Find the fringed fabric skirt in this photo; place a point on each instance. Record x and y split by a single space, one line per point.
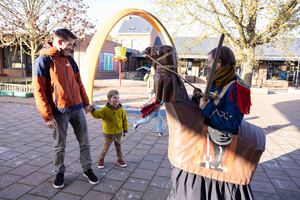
188 186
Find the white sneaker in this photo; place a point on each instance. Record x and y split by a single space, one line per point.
159 134
135 126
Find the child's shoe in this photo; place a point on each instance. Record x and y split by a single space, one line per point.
159 134
135 126
121 163
101 164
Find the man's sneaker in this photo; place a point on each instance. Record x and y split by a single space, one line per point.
121 163
101 164
135 126
59 181
89 174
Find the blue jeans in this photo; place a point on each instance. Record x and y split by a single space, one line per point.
148 118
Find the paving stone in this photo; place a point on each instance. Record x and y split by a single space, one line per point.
15 191
143 146
74 168
285 184
130 166
46 189
261 177
138 152
118 175
148 165
35 179
40 161
97 196
265 196
293 172
108 186
32 197
262 187
31 155
289 195
143 174
161 182
8 179
4 169
8 155
136 184
154 193
133 158
78 188
24 170
165 172
23 148
48 169
278 174
45 148
65 196
15 162
296 180
70 177
158 151
153 158
127 194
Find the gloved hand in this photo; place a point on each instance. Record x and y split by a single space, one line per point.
197 95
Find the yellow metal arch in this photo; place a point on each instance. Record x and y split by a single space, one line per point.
96 44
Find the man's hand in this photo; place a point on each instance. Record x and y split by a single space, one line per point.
51 124
203 103
89 108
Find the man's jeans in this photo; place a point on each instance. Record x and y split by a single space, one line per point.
78 122
148 118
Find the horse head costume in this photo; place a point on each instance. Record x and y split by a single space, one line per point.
192 148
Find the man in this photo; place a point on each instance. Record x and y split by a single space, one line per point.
61 98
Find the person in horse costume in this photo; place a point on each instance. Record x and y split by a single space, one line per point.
208 160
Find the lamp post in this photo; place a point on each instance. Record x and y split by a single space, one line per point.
120 55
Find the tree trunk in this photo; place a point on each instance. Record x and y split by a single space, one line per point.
32 53
248 65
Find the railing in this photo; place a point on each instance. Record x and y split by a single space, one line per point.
16 87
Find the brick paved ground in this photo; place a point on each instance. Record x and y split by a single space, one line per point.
26 152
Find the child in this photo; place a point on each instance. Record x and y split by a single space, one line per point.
233 96
150 110
114 124
150 82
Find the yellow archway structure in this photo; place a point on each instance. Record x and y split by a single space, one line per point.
96 44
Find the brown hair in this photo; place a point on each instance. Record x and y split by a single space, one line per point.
64 34
226 58
111 93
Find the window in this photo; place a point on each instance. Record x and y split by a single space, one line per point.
106 61
12 58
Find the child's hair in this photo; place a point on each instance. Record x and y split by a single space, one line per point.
227 57
111 93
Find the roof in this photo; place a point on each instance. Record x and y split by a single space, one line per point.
135 25
190 47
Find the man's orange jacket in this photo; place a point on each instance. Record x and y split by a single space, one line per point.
57 84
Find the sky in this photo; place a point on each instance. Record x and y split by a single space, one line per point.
102 10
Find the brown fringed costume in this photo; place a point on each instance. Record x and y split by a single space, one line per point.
190 149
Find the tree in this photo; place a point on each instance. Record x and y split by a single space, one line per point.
30 22
245 23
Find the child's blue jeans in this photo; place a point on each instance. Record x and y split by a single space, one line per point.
148 118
